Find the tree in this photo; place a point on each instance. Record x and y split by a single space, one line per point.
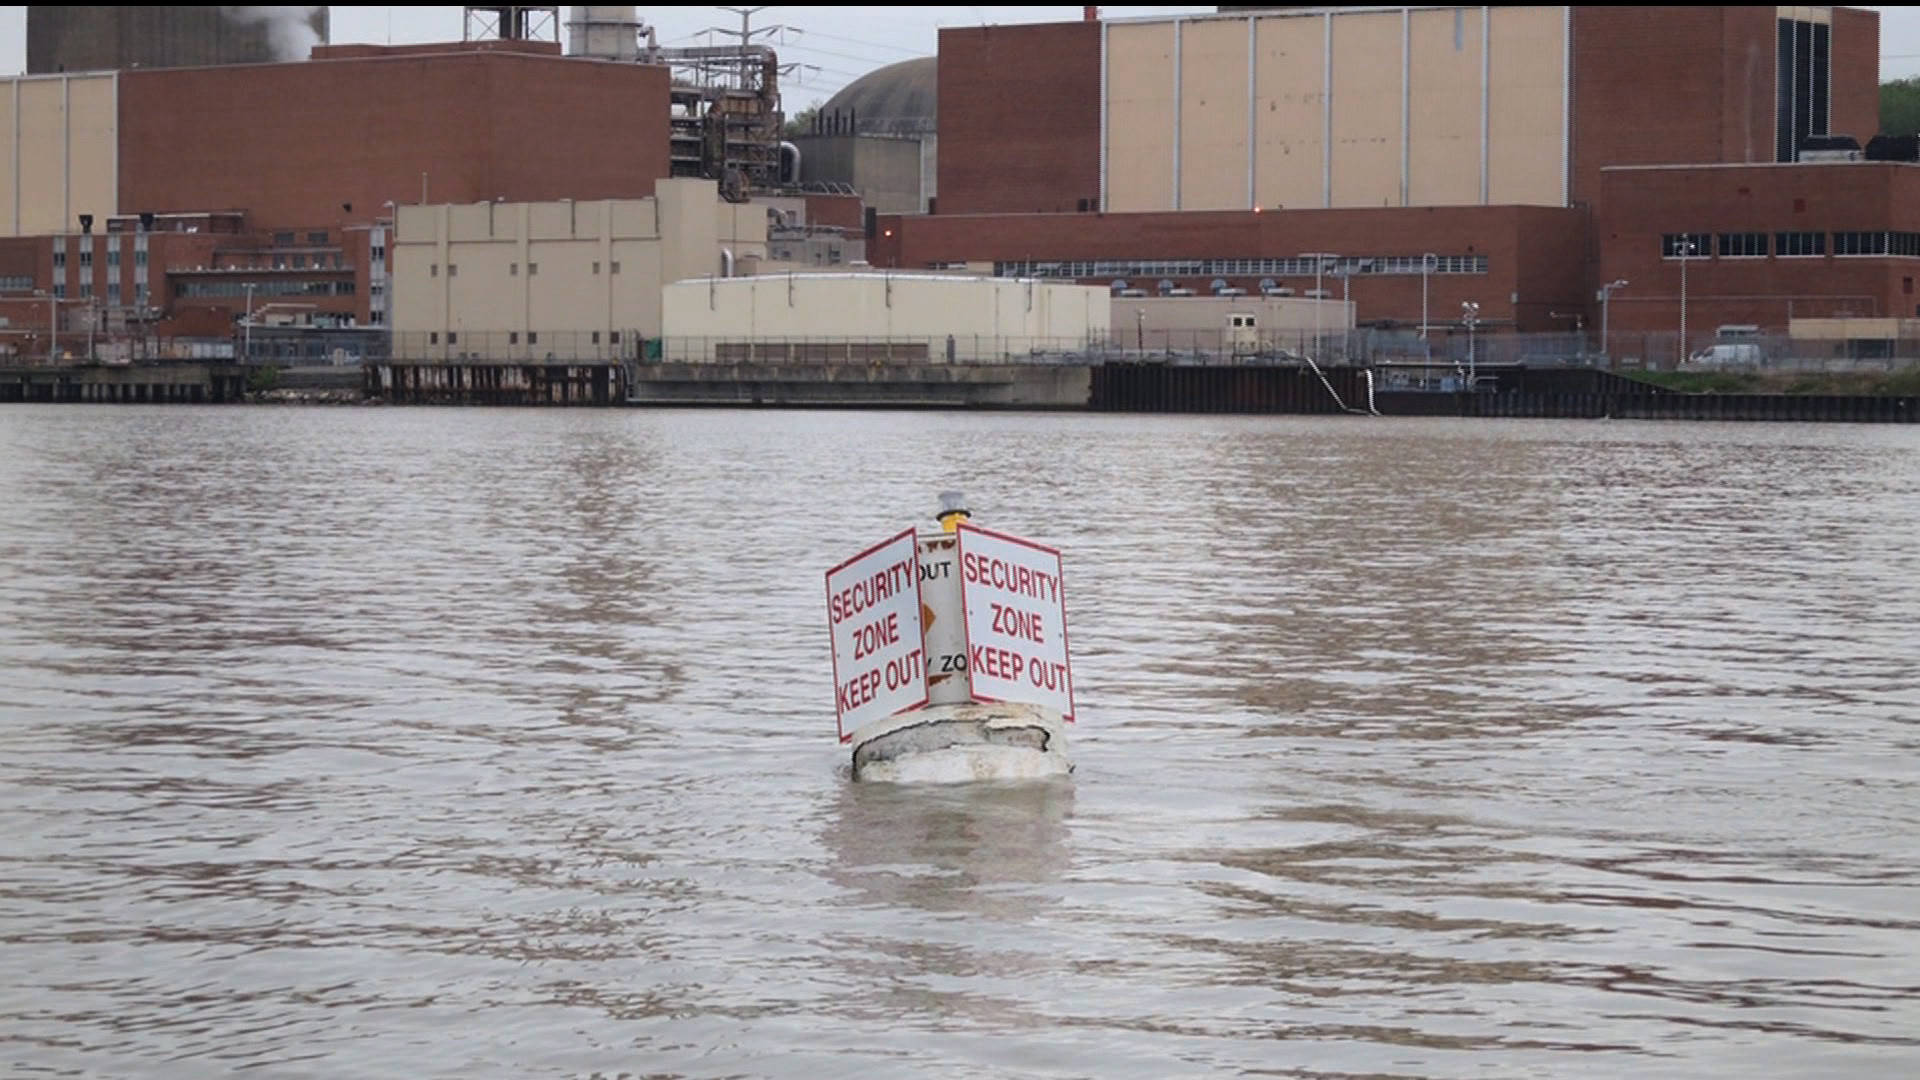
801 123
1900 107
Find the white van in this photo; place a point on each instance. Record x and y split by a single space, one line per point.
1727 354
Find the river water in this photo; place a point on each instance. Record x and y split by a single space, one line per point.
500 743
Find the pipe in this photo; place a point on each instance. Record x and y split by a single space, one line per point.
726 262
793 176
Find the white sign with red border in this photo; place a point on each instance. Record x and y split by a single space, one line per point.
1016 619
873 612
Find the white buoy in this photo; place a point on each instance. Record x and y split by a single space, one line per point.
993 694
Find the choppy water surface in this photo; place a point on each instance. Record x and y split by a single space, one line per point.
472 743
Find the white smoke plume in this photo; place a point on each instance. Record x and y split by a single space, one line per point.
287 28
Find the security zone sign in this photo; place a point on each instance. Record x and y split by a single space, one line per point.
1016 619
873 612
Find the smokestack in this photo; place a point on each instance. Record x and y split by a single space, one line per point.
1091 14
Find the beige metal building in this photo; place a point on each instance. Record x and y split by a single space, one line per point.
1231 324
59 152
1305 108
881 315
570 280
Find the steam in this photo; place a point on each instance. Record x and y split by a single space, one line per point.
288 29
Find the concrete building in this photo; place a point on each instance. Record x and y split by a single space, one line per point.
880 316
1458 154
574 280
878 137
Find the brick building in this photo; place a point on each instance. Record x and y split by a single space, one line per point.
1530 151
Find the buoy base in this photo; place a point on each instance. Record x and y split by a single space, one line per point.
963 742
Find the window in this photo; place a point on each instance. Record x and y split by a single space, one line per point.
1802 86
1859 243
1692 245
59 260
533 268
513 337
379 253
300 261
453 337
596 266
1904 243
596 333
533 337
113 292
86 289
140 257
1749 245
113 257
283 239
86 258
433 337
614 268
453 269
614 337
140 294
317 238
513 269
1790 244
433 269
59 290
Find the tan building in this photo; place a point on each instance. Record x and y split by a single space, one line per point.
876 315
1246 325
59 152
1321 108
570 280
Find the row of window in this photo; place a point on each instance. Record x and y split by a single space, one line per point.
513 337
86 258
1787 244
513 269
203 289
85 292
16 284
286 239
1291 266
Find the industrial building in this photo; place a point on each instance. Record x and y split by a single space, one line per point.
570 279
873 316
878 138
1511 158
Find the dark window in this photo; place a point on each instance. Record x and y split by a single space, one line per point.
513 337
533 337
1802 55
1743 245
596 333
453 337
316 238
433 337
614 337
283 239
1691 245
1859 243
1799 243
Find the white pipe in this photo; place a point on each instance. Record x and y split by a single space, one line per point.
726 262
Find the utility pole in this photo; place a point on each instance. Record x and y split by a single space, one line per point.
746 34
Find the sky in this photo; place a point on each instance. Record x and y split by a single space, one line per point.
832 46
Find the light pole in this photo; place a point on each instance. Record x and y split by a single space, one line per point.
53 324
1606 294
1319 268
1470 314
1685 250
246 329
1426 267
1140 324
